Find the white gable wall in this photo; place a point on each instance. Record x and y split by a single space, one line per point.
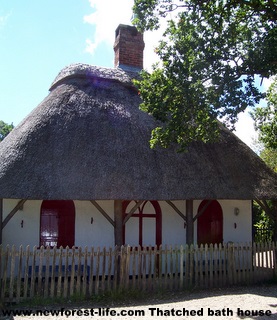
93 229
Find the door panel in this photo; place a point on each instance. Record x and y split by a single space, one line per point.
57 223
210 223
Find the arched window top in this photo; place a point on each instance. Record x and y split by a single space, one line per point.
145 225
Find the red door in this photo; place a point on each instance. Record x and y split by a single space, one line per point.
210 223
144 228
57 223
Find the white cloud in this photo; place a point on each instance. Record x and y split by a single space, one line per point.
91 46
107 15
245 130
3 20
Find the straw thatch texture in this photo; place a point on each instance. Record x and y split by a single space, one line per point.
89 140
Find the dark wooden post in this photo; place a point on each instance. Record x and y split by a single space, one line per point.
274 213
1 221
118 236
118 223
189 219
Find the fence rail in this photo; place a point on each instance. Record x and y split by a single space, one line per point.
64 272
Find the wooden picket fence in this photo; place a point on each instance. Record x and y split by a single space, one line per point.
63 272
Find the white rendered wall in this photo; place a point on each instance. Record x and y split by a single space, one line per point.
243 230
99 233
174 232
93 229
28 233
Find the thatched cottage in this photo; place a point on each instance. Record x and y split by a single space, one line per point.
78 169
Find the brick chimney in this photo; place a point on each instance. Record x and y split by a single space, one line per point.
128 48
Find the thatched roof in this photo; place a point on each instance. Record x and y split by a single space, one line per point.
89 140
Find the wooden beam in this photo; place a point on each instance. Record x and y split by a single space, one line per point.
189 219
1 221
13 212
132 211
202 210
118 220
104 213
176 209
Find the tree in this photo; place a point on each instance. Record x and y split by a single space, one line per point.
210 56
265 211
266 119
266 124
5 129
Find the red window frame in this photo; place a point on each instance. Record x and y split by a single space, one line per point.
157 214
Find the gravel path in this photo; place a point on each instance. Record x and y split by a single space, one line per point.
231 303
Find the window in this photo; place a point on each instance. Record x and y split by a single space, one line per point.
57 223
144 228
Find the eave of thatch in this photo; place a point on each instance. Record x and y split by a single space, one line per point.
89 140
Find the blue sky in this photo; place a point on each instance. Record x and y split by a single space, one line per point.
40 37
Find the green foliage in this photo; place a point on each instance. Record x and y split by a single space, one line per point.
269 156
266 119
210 57
263 224
5 129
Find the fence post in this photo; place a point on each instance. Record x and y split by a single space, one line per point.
122 269
181 267
230 249
20 264
274 249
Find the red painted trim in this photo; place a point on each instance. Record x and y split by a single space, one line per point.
60 216
210 223
141 215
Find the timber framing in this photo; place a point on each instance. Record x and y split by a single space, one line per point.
104 213
132 211
19 206
180 213
118 221
176 209
202 210
190 227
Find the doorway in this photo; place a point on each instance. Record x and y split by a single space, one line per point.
210 223
57 223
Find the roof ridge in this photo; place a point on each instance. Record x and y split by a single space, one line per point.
87 71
